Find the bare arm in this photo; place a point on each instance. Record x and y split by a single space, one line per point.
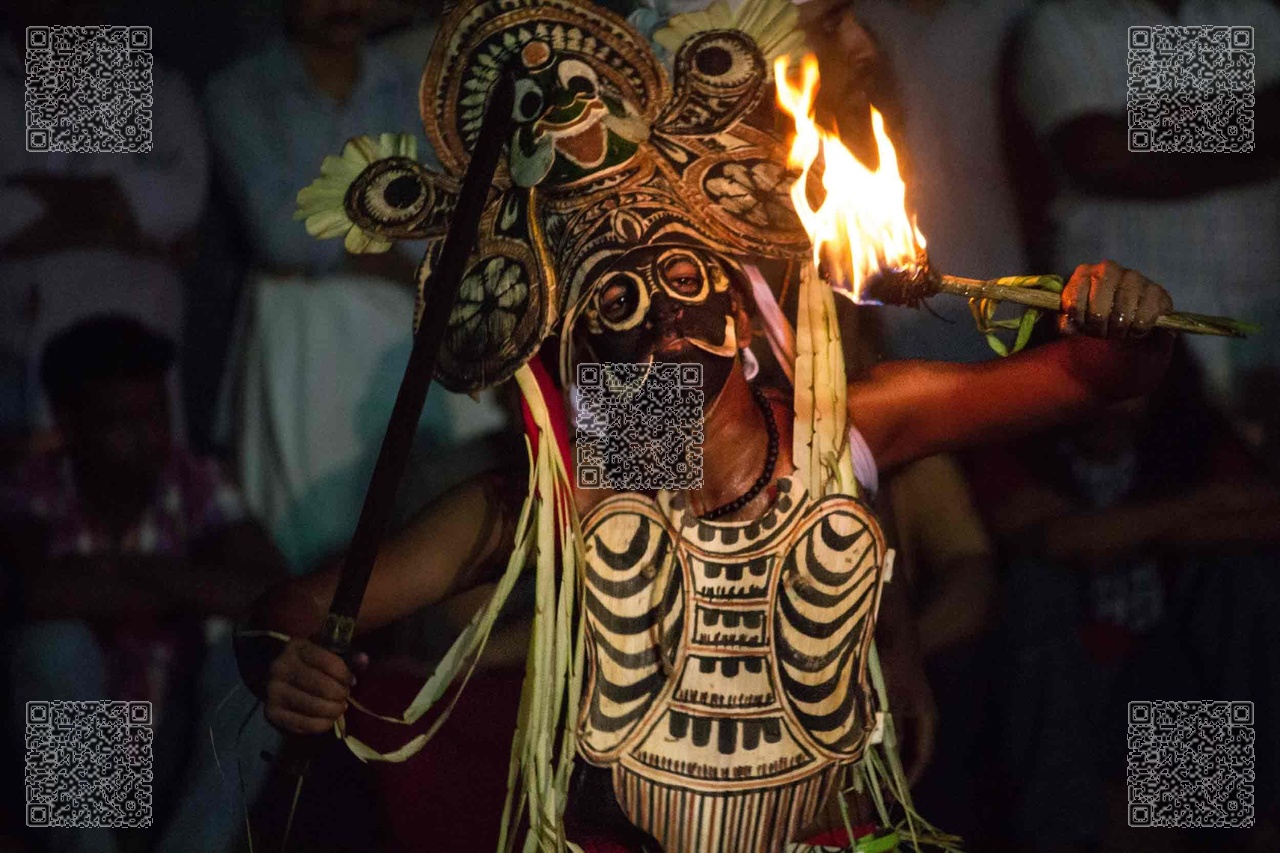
911 409
450 547
945 550
508 644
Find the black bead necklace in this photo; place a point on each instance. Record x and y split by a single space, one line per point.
766 476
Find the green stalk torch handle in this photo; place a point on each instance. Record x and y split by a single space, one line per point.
1037 292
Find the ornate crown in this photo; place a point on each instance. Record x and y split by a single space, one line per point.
609 151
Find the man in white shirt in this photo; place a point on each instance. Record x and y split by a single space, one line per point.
276 114
324 334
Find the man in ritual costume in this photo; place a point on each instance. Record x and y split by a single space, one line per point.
711 644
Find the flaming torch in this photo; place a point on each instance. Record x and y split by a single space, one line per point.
870 249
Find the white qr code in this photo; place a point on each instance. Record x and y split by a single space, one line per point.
89 89
1191 764
89 764
639 426
1191 89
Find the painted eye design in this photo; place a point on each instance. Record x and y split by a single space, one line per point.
579 78
724 59
622 301
402 196
683 276
529 101
392 191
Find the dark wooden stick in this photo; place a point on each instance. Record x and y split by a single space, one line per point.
440 292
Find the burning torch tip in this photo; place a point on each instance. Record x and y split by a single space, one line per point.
908 285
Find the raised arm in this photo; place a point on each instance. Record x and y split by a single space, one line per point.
454 544
912 409
451 546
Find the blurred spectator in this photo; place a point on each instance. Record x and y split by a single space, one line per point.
124 544
276 114
944 550
941 61
1202 224
943 554
324 335
944 559
411 31
1126 538
83 234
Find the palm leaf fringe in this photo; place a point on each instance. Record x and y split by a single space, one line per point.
545 741
820 451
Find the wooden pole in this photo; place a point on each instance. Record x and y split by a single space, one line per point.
440 292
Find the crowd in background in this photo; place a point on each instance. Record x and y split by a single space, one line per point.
193 391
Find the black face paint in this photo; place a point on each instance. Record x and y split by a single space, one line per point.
665 303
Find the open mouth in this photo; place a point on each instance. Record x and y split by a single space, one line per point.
548 124
583 139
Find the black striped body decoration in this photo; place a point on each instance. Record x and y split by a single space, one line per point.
727 678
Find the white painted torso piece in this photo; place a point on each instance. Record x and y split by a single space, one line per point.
728 682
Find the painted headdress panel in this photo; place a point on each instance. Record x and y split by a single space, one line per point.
608 151
588 88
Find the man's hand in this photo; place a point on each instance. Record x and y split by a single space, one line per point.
1107 301
308 688
915 714
910 698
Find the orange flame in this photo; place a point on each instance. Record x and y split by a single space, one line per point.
861 227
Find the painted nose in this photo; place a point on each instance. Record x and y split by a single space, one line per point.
665 309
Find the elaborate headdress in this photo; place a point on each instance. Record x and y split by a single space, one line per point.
610 151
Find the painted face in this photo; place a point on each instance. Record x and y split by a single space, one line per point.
569 126
666 304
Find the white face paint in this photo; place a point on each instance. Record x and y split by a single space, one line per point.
666 303
728 349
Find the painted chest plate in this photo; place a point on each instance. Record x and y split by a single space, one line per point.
728 662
